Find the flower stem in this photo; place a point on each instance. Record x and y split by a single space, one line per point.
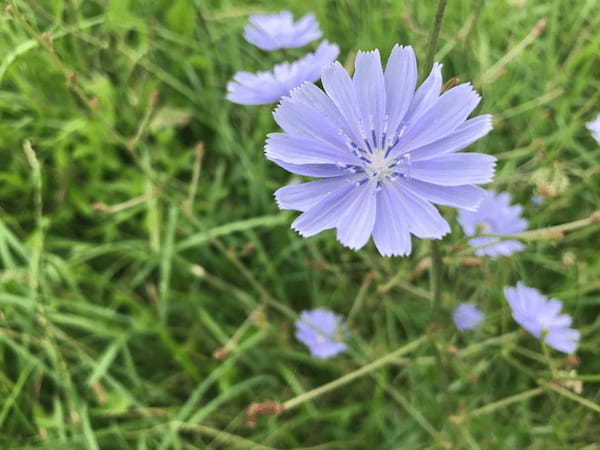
435 34
435 271
306 396
505 401
435 279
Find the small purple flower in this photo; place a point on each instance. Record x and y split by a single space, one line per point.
268 87
537 200
276 31
385 152
495 215
594 127
538 315
467 316
322 332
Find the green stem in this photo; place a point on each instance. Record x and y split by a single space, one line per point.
306 396
435 279
506 401
435 34
547 356
435 272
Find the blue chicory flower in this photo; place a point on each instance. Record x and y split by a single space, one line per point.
322 332
537 200
594 127
495 215
384 151
276 31
467 316
538 315
268 87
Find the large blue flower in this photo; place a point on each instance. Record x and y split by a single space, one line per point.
384 151
495 215
275 31
268 87
538 315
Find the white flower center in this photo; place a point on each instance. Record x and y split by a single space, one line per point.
379 166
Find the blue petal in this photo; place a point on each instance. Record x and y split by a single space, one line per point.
400 82
276 31
255 89
302 197
466 197
390 234
340 89
442 118
300 119
563 339
422 217
312 170
310 95
455 169
356 222
370 89
325 214
463 136
269 87
426 95
299 150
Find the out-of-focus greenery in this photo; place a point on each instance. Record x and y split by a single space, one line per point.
120 276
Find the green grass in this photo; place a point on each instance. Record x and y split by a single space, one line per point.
116 289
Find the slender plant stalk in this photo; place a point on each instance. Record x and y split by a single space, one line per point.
434 35
306 396
553 232
435 271
435 277
506 401
436 260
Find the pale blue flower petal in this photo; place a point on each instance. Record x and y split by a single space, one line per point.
355 224
455 169
423 218
310 95
270 86
301 119
467 317
463 136
325 214
563 339
312 170
494 215
370 89
276 31
400 82
449 111
322 331
391 234
302 197
426 95
537 315
300 150
467 196
340 88
594 127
